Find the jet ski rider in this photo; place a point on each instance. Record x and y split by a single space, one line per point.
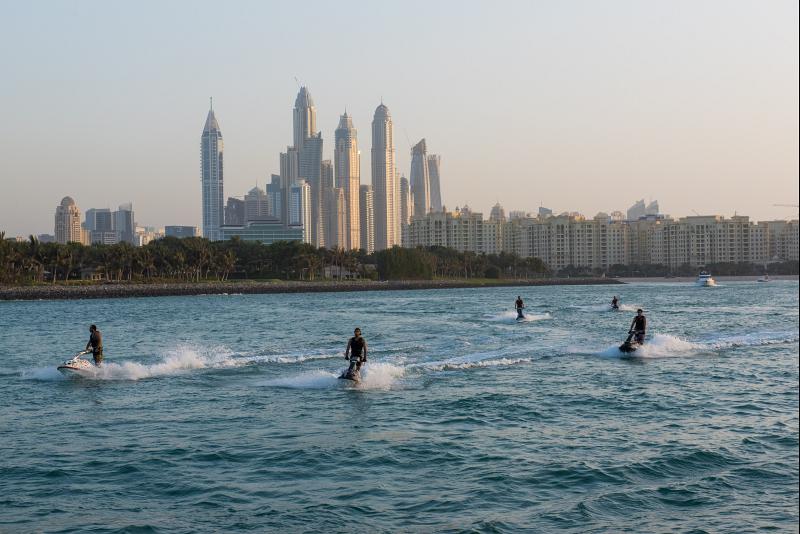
95 344
519 306
615 303
639 326
355 347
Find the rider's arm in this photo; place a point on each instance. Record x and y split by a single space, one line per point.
347 350
365 350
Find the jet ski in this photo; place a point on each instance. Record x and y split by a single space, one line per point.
520 315
629 346
78 367
353 375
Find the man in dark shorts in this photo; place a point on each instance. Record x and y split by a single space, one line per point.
639 326
95 344
356 352
615 303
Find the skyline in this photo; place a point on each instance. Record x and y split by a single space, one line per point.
567 131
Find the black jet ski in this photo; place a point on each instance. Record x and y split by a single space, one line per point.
629 346
353 375
520 315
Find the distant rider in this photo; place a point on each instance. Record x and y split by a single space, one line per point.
615 303
356 352
519 305
95 344
639 326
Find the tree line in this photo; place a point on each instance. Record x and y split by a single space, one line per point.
197 259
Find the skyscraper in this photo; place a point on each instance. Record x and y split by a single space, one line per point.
384 185
100 225
336 215
434 173
406 208
234 211
299 203
347 162
367 218
256 205
275 196
125 224
68 222
420 180
308 143
211 148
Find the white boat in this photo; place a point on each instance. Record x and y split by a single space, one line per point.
704 279
764 278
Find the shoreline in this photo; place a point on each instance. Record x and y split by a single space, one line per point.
251 287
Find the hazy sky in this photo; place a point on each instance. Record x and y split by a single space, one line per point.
579 106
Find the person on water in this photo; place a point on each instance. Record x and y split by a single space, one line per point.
519 305
615 303
639 326
356 352
95 345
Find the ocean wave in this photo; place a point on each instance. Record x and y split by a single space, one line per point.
450 366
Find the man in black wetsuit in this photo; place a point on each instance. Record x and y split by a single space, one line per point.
356 352
639 326
615 303
95 344
519 305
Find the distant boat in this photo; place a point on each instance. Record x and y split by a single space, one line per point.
704 279
764 278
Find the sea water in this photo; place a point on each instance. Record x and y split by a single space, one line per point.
224 413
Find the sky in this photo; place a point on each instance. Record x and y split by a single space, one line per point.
574 105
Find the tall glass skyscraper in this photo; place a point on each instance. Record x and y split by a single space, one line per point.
420 180
434 174
347 162
211 148
385 188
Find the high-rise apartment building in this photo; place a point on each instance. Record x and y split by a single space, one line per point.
420 179
124 224
234 211
336 214
180 231
275 196
299 208
308 143
68 222
211 175
406 208
385 188
347 163
367 218
99 223
256 205
434 174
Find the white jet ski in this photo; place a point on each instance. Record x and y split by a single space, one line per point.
78 367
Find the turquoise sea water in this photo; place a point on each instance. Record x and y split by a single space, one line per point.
224 413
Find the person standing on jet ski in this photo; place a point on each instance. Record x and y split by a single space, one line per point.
356 352
615 303
639 326
519 305
95 344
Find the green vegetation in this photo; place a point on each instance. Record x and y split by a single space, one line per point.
197 259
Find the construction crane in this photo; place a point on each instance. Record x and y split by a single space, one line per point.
786 205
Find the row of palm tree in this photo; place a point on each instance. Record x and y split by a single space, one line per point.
196 259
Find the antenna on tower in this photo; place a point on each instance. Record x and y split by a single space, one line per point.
211 103
297 82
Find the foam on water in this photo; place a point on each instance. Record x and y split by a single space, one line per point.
606 307
375 375
660 346
511 316
451 366
175 361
